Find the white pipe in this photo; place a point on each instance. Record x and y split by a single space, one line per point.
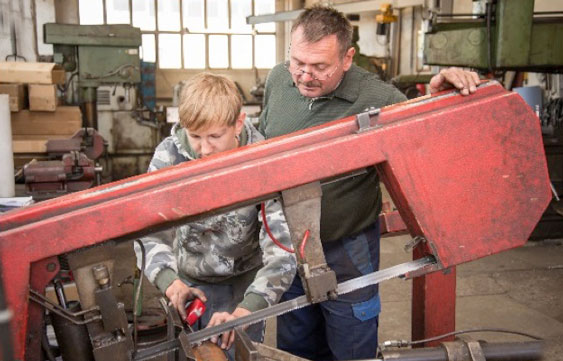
7 185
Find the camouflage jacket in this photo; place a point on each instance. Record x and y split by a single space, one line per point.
220 248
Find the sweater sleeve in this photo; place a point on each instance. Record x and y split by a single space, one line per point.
279 266
160 263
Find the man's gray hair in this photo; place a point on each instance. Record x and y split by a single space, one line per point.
319 21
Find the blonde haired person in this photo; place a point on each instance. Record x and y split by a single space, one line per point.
225 260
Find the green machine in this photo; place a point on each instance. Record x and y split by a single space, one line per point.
508 36
98 54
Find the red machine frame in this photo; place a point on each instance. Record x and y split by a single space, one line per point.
466 173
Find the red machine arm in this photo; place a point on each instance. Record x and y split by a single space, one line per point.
467 173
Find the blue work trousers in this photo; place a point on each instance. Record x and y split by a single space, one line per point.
343 329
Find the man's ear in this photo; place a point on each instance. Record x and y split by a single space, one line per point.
240 122
348 58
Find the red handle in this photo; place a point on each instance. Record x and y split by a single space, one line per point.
194 311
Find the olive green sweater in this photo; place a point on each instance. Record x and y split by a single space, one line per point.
350 205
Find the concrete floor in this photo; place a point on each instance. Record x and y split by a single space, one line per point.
520 290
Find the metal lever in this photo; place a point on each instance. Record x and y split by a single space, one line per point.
302 207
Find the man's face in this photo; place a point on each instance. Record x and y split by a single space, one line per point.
316 68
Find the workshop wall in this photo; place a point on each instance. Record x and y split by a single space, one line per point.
17 30
166 79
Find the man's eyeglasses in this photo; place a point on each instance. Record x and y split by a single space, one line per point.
320 75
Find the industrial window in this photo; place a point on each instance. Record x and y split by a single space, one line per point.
193 34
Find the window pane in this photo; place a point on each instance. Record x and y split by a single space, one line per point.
117 11
194 51
168 15
91 12
148 53
265 51
143 14
241 51
193 15
262 7
240 9
169 51
218 51
217 15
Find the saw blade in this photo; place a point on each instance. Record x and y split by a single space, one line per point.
284 307
302 301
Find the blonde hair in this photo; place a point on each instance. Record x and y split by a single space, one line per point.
209 100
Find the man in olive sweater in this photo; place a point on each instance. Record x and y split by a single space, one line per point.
319 84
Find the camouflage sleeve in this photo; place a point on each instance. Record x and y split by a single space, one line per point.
279 266
160 263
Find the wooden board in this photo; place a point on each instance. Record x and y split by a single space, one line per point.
42 97
17 93
65 120
30 72
29 146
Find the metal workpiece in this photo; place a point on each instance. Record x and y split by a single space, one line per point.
456 168
270 353
245 349
469 351
209 351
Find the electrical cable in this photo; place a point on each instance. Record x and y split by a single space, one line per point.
65 88
138 291
112 73
453 333
267 227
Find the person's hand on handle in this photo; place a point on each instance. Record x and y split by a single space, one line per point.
464 81
218 318
179 294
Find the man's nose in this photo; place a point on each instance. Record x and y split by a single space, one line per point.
307 76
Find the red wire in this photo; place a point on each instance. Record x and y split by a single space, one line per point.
263 211
303 243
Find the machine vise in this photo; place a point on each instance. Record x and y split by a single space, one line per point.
75 171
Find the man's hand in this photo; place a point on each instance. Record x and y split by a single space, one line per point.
227 338
179 293
464 81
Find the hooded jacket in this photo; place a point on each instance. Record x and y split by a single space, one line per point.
223 248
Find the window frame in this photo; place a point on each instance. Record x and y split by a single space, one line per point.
205 32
